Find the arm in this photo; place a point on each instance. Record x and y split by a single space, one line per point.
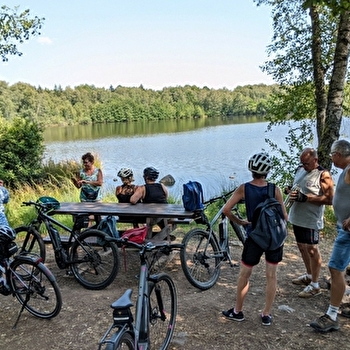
76 180
235 198
327 187
118 189
165 191
139 194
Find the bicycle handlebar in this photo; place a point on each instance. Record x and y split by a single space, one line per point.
223 196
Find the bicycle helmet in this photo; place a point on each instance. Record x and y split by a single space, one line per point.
7 234
49 202
151 173
260 163
125 173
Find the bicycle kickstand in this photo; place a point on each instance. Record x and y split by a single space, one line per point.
20 312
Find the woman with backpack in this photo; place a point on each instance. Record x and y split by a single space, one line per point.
253 193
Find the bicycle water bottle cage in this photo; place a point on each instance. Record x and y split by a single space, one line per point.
49 203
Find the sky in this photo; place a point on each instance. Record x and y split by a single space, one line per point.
156 43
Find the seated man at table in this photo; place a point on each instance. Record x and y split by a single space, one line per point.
151 192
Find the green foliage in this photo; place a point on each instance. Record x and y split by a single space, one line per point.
21 144
15 28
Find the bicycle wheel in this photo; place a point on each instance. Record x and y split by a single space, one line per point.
32 241
239 231
35 287
95 262
125 342
163 308
199 259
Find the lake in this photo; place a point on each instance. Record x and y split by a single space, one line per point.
208 150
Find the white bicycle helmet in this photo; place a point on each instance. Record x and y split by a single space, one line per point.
260 163
7 234
125 173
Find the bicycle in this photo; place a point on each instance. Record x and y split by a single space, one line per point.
204 251
28 279
156 306
92 260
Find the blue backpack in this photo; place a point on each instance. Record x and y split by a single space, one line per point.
109 225
269 226
192 198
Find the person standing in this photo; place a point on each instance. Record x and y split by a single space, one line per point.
89 180
315 188
4 199
254 193
340 257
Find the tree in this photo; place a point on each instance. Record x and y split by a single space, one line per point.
310 48
16 27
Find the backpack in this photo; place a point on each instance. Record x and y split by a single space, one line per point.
109 225
192 198
269 226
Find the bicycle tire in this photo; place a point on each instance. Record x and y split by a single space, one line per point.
35 287
125 342
162 309
239 231
32 243
201 268
95 262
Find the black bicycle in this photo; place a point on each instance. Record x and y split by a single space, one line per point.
28 279
92 260
205 251
156 306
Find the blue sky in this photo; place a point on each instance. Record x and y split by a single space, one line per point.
156 43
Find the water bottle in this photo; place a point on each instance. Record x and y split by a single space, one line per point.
57 237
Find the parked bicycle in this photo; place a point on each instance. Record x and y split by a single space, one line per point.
156 306
27 279
205 251
91 259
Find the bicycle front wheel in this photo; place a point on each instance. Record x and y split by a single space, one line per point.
200 260
30 241
35 287
95 262
163 309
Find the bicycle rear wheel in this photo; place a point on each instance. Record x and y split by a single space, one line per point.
163 309
32 241
35 287
200 260
125 342
95 262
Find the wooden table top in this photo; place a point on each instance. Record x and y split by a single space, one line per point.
145 210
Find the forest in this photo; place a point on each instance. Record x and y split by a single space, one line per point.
86 104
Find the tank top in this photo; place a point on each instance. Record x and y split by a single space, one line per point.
341 199
306 214
253 195
126 193
154 194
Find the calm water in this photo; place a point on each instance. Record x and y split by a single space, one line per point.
206 150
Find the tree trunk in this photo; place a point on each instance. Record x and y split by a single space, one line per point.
336 91
319 72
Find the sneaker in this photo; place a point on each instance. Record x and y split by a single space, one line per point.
231 315
302 280
266 320
325 324
309 291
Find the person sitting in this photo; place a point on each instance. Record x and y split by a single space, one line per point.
127 189
151 192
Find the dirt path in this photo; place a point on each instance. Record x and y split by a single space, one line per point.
86 314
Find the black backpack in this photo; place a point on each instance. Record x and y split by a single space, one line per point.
269 226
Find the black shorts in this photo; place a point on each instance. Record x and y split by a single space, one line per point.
306 235
252 253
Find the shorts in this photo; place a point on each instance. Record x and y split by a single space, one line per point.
252 253
306 235
340 257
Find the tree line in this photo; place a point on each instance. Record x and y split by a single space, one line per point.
85 104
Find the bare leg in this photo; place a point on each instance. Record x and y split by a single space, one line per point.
305 256
242 286
337 287
271 287
315 260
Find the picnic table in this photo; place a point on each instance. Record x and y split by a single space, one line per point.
172 214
